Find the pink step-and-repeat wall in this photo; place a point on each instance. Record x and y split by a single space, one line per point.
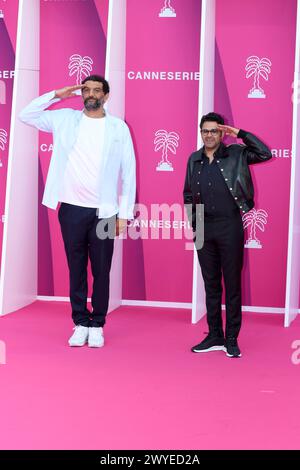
255 44
255 54
8 35
162 82
73 45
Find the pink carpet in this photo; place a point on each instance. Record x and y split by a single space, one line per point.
145 389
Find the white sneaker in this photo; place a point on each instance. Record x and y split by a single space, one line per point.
80 336
96 338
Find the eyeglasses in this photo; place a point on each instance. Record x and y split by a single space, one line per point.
211 131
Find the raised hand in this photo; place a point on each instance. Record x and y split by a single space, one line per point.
228 130
121 225
67 91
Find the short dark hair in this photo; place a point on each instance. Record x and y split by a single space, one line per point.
98 78
212 117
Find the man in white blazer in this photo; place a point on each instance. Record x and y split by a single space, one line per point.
91 150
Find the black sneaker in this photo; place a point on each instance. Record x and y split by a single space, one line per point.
232 348
210 343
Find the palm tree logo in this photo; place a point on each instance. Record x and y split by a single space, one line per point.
1 14
258 68
165 141
82 66
167 10
3 141
254 219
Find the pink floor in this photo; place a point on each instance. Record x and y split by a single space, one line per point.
145 389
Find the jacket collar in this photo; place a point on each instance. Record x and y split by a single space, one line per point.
222 152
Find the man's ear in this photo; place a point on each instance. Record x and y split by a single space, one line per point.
106 97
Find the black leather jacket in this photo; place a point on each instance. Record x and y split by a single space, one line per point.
233 161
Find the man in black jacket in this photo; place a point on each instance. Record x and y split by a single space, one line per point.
218 177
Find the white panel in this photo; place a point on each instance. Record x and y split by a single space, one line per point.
19 256
115 74
29 57
293 261
206 104
160 304
157 304
115 57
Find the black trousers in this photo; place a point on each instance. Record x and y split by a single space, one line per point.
78 227
222 253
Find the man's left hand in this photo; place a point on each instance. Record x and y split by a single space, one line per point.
121 225
228 130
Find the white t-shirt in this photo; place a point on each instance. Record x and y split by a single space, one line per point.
81 179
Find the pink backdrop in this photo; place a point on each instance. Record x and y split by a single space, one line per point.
161 270
81 28
8 30
265 30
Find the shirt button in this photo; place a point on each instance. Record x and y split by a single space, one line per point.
230 189
222 169
201 163
198 172
198 182
241 207
209 184
235 198
218 161
198 194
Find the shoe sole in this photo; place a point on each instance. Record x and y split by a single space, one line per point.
231 355
213 348
77 345
95 345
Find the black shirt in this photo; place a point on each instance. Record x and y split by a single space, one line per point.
214 193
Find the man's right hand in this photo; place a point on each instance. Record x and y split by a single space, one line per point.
67 91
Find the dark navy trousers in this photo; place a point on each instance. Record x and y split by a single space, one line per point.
222 254
78 227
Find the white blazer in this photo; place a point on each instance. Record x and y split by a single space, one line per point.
118 155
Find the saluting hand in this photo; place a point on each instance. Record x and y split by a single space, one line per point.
67 91
231 131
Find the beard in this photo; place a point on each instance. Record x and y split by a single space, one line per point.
211 143
92 104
